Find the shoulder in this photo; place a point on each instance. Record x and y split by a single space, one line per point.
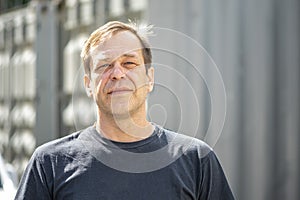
66 146
187 144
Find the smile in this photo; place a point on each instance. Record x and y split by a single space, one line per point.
120 91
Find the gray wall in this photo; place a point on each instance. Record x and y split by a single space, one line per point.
255 45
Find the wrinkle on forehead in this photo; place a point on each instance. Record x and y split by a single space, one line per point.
110 55
117 45
113 52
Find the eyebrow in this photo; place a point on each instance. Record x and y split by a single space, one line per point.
131 55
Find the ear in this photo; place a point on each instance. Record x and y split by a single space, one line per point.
151 78
87 85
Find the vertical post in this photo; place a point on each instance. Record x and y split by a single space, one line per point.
46 73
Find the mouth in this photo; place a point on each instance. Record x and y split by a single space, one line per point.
117 91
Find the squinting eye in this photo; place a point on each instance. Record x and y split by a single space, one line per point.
102 68
130 64
105 65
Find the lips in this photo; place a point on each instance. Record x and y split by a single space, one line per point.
121 90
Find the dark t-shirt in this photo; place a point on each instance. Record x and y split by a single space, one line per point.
84 165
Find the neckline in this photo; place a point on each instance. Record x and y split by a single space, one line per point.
93 134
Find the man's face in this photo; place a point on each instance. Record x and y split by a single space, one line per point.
118 81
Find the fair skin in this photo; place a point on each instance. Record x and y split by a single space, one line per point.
119 85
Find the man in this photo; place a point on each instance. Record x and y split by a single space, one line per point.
123 156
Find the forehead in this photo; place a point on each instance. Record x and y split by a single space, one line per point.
121 43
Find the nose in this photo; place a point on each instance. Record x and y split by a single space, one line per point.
117 72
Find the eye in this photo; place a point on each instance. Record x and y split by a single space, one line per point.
101 68
104 65
130 64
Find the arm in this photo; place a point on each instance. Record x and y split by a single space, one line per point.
213 183
33 184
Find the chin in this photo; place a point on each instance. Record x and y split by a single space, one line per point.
121 114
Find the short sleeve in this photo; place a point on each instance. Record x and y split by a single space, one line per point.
33 184
213 183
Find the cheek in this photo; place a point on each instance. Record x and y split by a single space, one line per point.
98 82
138 77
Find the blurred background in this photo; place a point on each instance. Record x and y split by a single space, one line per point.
255 45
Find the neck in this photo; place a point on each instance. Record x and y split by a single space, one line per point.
124 129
